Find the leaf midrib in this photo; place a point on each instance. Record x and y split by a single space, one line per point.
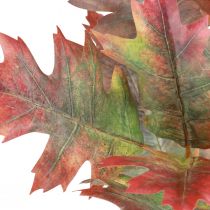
75 120
176 78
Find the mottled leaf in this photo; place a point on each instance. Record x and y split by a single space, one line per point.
84 122
183 182
102 5
119 23
93 18
190 11
171 61
116 194
204 4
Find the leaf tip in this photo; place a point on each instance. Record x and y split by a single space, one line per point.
34 188
59 33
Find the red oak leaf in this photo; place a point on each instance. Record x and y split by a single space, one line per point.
183 182
116 194
93 18
84 122
171 62
190 11
204 4
119 22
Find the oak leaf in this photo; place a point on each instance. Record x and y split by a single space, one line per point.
204 5
119 22
84 122
171 61
183 182
115 192
190 11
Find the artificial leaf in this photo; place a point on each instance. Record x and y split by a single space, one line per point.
183 181
171 61
84 122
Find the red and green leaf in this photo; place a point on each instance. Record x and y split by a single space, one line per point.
155 64
171 62
119 22
115 193
204 5
84 122
183 182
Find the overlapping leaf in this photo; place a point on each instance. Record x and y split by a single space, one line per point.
116 194
204 5
119 22
103 5
183 182
88 118
84 122
190 11
172 66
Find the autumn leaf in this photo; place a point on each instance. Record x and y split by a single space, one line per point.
93 18
183 181
112 195
143 70
171 61
115 193
84 122
190 11
107 63
104 5
119 22
201 205
204 4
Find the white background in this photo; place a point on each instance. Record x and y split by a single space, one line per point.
35 22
